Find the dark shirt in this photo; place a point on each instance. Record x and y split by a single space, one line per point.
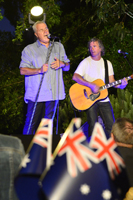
11 155
127 155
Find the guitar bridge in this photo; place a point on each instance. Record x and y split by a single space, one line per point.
94 96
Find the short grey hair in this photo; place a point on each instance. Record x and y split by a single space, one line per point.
34 26
100 45
122 132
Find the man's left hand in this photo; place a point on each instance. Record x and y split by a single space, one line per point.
57 64
124 83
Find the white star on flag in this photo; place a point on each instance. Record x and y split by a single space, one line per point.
25 161
85 189
106 195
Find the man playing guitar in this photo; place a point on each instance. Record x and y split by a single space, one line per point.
89 70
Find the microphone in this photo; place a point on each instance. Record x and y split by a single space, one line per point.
52 36
124 53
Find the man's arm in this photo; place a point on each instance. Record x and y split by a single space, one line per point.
66 67
33 71
79 79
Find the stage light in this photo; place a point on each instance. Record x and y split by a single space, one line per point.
36 14
36 11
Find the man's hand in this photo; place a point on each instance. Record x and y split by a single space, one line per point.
94 88
124 83
44 68
57 64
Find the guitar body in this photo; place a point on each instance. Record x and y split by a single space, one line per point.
82 97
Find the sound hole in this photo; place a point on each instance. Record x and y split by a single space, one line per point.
85 93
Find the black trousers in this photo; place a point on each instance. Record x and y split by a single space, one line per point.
43 110
105 110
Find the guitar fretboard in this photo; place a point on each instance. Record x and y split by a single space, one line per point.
113 83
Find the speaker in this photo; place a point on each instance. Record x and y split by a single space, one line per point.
26 140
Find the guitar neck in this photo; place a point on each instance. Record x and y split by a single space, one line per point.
113 83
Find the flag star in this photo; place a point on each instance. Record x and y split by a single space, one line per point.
85 189
106 195
25 161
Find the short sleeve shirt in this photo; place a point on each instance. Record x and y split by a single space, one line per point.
52 88
91 70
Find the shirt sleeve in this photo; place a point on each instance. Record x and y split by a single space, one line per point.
81 68
63 56
26 58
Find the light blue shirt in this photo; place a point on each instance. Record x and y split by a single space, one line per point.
34 56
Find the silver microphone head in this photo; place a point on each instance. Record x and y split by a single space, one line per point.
52 36
49 35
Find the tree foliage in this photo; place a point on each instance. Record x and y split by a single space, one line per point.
122 104
1 17
12 85
75 22
12 10
51 9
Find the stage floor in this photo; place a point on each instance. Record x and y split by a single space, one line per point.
26 139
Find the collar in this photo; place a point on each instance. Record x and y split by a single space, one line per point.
125 145
39 43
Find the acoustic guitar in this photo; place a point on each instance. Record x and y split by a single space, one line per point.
83 98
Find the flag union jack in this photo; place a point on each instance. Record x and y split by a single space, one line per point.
106 150
77 154
84 172
43 134
43 137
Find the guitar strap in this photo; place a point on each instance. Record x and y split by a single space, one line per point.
106 72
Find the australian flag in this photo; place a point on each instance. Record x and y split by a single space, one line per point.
83 170
37 158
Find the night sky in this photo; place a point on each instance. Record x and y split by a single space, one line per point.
5 25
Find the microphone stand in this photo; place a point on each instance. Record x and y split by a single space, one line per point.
34 108
128 61
58 106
